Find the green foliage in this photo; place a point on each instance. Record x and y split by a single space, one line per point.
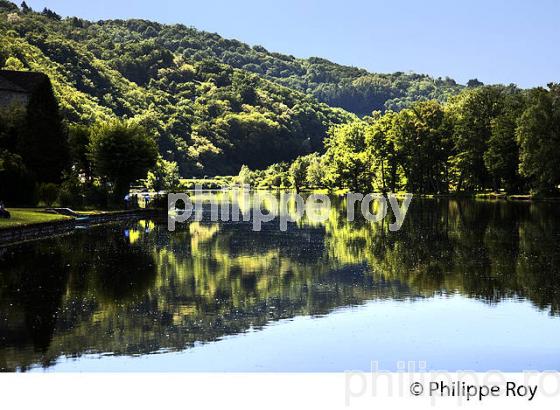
47 193
245 177
12 63
473 83
42 142
349 165
298 171
502 156
78 142
7 6
410 150
421 141
472 113
538 134
210 115
215 105
217 182
71 192
362 93
122 152
488 137
316 171
381 151
164 177
25 8
275 176
152 54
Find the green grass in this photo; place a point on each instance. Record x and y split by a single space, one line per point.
29 216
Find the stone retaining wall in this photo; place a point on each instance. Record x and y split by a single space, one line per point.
43 230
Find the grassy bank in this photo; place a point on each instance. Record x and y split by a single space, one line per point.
29 216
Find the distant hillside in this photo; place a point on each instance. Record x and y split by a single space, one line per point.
214 103
351 88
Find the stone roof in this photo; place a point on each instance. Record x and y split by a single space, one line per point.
21 81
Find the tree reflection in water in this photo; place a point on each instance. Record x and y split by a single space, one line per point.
135 288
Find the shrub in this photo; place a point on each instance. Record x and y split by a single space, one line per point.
48 193
70 193
96 196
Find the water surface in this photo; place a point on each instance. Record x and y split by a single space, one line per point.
464 285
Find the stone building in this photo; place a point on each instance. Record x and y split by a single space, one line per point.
17 87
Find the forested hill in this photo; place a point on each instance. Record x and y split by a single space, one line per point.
214 103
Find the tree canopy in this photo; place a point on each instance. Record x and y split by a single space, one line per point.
214 103
122 152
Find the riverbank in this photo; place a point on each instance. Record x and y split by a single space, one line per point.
29 216
31 224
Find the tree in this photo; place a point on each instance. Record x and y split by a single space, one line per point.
380 142
298 172
210 114
50 14
245 176
48 193
78 141
346 153
25 8
43 143
473 83
245 85
164 177
316 173
121 152
275 176
538 135
472 113
422 146
502 156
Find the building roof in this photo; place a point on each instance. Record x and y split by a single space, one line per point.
21 81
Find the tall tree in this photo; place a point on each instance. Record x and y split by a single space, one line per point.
538 135
78 141
122 152
380 142
502 156
298 171
316 171
346 153
422 145
164 177
43 142
472 113
25 8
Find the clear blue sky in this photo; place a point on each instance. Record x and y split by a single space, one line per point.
497 41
